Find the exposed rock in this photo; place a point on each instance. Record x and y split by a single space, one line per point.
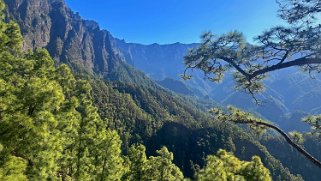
52 25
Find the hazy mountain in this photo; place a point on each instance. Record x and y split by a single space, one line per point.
287 91
138 107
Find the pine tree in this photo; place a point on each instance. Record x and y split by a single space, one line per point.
13 168
51 130
161 167
49 126
109 163
138 160
29 101
225 166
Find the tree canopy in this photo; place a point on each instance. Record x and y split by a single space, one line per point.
51 130
48 125
225 166
295 44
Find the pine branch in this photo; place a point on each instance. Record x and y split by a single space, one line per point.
301 150
297 62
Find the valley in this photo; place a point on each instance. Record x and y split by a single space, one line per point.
109 101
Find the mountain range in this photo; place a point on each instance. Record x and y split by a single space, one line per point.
288 93
138 89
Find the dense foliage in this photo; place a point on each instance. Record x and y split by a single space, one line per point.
225 166
50 129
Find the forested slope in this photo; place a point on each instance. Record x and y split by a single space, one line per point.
128 101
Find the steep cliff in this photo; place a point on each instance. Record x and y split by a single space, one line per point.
83 45
68 38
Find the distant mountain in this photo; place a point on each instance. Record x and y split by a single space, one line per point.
155 59
134 105
288 91
84 46
176 86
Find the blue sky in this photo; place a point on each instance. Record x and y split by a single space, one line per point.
170 21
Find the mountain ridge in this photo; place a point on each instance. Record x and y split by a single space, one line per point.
164 62
104 59
77 42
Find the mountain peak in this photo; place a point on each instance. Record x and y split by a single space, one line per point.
68 38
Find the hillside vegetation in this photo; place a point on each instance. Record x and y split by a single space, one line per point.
72 109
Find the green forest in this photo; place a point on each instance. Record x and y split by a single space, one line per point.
60 120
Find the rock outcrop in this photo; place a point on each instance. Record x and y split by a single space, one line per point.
69 39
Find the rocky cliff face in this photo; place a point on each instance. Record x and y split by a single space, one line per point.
68 38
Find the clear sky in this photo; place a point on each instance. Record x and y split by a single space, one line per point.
170 21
